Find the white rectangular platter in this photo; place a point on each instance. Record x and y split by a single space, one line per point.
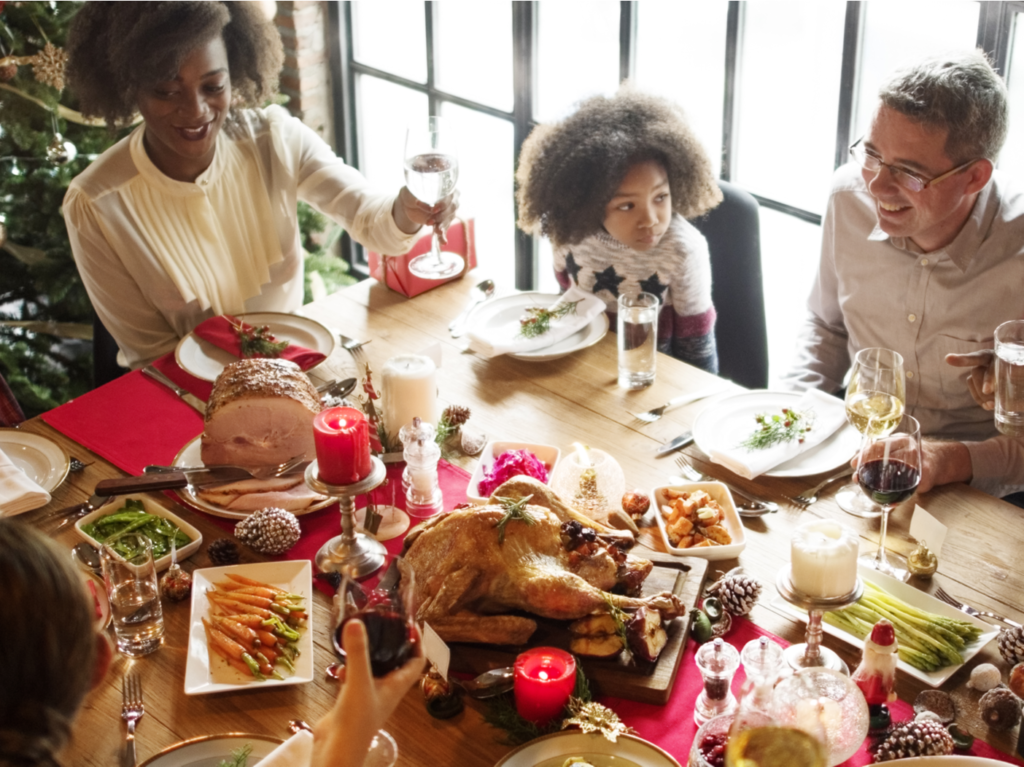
915 598
205 672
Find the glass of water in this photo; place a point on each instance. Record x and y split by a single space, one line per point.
638 339
129 573
1010 378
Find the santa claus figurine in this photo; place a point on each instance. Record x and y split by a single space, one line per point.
876 674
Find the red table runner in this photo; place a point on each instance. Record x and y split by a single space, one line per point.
133 422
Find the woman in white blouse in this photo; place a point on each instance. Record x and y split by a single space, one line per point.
194 213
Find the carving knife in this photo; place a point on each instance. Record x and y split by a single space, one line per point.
186 396
682 440
171 480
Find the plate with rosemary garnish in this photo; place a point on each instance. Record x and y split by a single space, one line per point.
733 421
498 314
204 360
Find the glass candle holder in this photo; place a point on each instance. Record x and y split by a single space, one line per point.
591 481
717 662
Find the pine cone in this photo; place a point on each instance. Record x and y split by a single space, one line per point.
1000 709
223 551
1011 645
917 738
269 531
738 592
456 415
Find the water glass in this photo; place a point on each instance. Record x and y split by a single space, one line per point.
129 573
638 339
1010 378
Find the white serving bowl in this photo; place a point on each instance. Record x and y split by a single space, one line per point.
151 507
546 454
731 521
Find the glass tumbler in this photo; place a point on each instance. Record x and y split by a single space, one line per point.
638 339
129 573
1010 378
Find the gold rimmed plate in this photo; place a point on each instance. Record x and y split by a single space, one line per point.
211 750
552 751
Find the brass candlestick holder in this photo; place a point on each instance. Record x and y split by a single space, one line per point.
811 654
356 554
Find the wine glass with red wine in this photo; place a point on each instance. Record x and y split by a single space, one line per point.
889 471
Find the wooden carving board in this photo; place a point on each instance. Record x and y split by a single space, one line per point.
640 681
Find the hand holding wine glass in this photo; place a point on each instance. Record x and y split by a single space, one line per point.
431 171
889 471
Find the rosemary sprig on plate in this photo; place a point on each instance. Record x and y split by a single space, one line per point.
775 429
538 320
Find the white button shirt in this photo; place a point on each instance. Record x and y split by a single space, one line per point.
876 290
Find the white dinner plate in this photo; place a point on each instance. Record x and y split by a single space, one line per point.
915 598
207 672
552 751
211 750
204 360
507 309
729 420
956 760
42 460
190 455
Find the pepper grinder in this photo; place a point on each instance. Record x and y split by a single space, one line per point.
717 662
419 480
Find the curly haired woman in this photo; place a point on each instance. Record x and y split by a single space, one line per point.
194 213
612 186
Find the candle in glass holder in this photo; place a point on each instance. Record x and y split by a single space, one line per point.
823 556
342 439
544 680
409 388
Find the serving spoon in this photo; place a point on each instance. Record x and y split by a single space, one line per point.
479 293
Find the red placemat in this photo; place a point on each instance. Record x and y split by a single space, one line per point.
672 727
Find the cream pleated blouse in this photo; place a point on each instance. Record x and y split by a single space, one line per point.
159 256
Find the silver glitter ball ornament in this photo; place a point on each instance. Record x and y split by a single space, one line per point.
59 151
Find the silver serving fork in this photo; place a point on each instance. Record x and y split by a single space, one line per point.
805 499
654 414
131 711
973 611
354 347
753 507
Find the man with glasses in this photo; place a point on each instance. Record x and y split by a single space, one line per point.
923 253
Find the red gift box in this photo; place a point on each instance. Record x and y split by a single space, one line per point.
393 271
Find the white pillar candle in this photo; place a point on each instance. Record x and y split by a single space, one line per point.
409 389
823 556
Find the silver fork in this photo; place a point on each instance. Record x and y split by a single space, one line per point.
654 414
752 507
805 499
131 711
964 608
354 347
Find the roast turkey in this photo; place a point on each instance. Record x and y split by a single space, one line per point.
468 582
260 413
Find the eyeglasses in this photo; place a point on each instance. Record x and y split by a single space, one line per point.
905 178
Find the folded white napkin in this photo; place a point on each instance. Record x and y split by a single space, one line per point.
829 415
505 339
18 493
294 752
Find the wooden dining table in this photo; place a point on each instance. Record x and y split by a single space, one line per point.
558 402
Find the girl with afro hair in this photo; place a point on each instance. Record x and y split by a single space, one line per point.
612 186
193 214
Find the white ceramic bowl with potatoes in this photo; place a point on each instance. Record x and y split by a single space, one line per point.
151 507
730 520
546 454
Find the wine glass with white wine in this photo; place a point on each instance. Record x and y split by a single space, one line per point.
431 171
875 398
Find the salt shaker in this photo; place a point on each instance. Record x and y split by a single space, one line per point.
762 661
419 480
717 662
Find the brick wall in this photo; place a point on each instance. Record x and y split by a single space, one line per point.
305 78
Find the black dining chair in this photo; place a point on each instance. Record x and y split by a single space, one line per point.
104 355
733 232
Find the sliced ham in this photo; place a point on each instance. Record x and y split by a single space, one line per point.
260 413
295 498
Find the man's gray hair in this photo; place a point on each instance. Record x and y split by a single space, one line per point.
959 91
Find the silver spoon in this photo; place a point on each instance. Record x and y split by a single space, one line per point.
87 555
488 684
480 293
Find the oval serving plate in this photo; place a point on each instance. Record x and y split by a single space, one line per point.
211 750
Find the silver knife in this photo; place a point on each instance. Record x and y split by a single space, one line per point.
186 396
682 440
170 480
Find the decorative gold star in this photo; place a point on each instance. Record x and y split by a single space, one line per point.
593 717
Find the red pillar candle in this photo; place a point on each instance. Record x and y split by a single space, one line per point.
342 439
544 680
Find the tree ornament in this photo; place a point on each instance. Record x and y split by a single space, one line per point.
739 592
1011 645
223 551
984 677
269 531
48 66
917 738
1000 709
8 72
593 717
59 151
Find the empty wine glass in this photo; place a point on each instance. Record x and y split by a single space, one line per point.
889 470
431 170
875 396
